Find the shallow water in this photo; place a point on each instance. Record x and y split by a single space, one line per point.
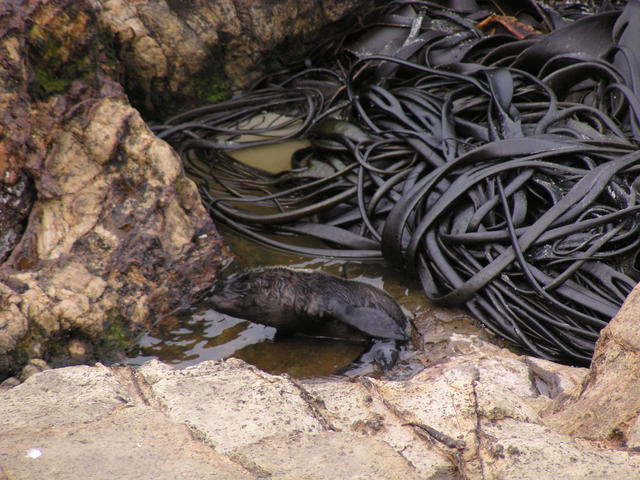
203 334
273 158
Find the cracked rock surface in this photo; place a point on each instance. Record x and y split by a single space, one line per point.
480 412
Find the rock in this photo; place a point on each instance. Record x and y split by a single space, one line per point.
9 383
13 327
528 451
325 455
551 379
35 365
79 350
357 407
16 199
633 435
131 443
474 416
606 406
247 404
449 401
174 51
61 397
117 234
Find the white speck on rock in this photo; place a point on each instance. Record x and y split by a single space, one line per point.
33 453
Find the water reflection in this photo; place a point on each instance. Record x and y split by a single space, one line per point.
197 335
192 336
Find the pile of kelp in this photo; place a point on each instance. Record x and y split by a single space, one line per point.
489 148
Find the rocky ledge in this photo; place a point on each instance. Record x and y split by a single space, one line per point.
476 411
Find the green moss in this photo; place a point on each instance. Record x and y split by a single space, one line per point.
117 338
53 68
214 87
55 76
218 96
57 61
213 84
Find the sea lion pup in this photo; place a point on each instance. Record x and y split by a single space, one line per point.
316 303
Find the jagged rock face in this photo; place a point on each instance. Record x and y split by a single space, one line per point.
606 406
174 51
16 199
117 232
99 227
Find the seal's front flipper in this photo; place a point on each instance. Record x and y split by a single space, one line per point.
362 366
383 353
368 320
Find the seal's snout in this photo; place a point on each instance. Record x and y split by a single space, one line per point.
231 296
223 298
219 300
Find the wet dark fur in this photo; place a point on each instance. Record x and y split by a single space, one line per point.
300 301
296 300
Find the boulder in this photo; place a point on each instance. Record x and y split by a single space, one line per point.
606 405
175 51
101 232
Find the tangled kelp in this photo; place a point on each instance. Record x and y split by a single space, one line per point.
489 149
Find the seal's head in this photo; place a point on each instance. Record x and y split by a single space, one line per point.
234 296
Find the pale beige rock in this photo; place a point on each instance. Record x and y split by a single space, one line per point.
35 365
61 397
9 383
160 421
633 434
352 407
551 379
79 349
76 278
495 402
486 382
13 323
440 397
513 450
130 444
607 403
36 306
327 455
229 404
